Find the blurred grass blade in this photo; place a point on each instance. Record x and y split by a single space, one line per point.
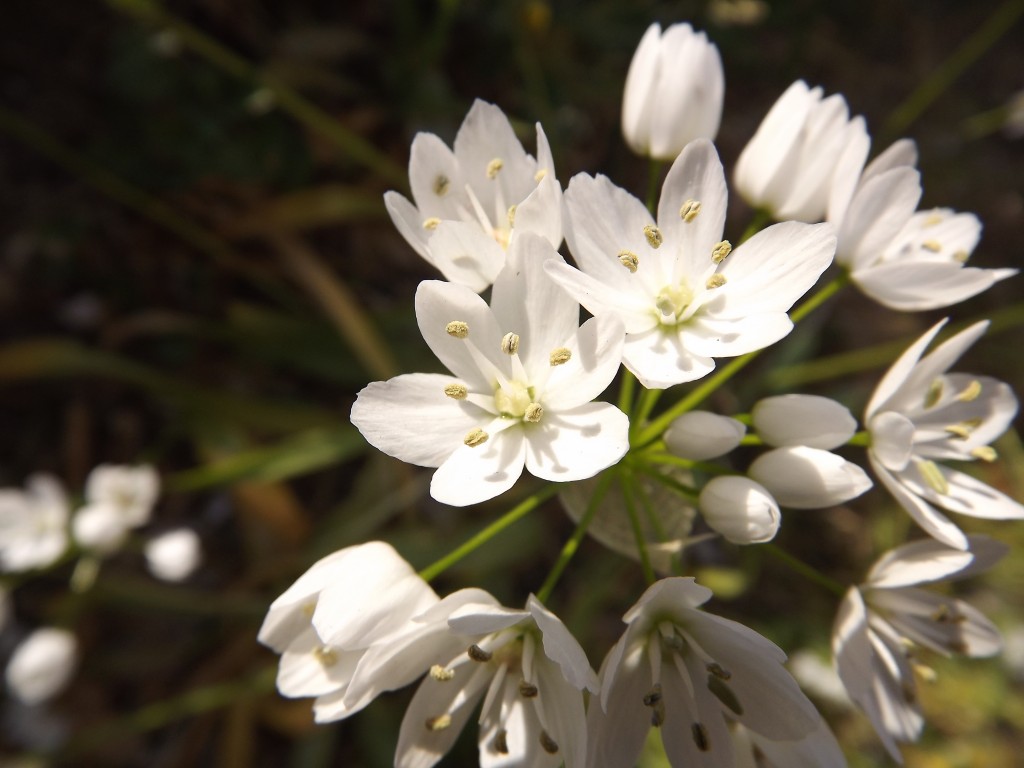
322 206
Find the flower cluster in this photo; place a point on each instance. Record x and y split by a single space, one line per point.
669 296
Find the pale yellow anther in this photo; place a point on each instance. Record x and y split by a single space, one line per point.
715 281
456 391
932 245
431 223
653 235
932 220
475 437
961 256
438 723
559 356
512 215
689 210
308 610
494 167
959 430
970 393
932 476
326 656
441 185
533 413
539 175
934 394
925 672
629 260
457 328
441 674
510 343
985 453
720 251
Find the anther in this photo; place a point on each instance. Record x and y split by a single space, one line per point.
970 393
533 413
540 174
934 394
689 210
548 744
720 251
985 453
512 215
719 671
326 656
717 280
653 696
500 742
457 328
933 476
441 674
959 430
559 356
932 220
510 343
431 223
658 714
629 260
527 690
941 614
653 235
438 723
441 185
308 610
494 167
925 672
456 391
961 256
476 653
475 437
700 737
932 245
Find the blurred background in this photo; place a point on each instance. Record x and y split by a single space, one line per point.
197 271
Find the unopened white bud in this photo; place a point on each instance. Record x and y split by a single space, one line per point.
42 665
818 422
700 435
740 509
809 478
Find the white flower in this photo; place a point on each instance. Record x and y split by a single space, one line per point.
326 621
699 435
471 201
673 92
918 415
808 478
118 498
684 295
880 623
817 750
690 674
811 420
33 524
42 665
789 164
530 673
525 376
740 509
174 555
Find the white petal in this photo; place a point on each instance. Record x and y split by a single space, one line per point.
961 628
577 443
409 223
847 175
174 555
877 213
892 439
809 478
633 308
966 495
562 648
486 135
899 371
992 410
918 562
349 617
819 750
42 665
811 420
434 177
683 713
921 285
659 358
933 522
900 152
700 435
465 254
541 212
302 673
671 596
596 352
484 619
616 736
733 336
561 706
475 474
637 96
99 527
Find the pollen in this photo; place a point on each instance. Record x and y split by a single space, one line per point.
548 744
533 413
961 256
719 671
932 245
629 260
494 167
438 723
431 223
475 437
559 356
457 328
959 430
932 220
934 394
539 175
510 343
700 736
715 281
688 212
720 251
326 656
970 392
441 185
500 742
932 476
985 452
512 215
456 391
528 690
441 674
653 235
476 653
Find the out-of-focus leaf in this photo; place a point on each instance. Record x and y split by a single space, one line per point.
274 508
327 205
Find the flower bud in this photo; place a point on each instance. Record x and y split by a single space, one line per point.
740 509
809 478
41 666
811 420
174 555
700 435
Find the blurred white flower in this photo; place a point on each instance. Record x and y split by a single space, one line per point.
743 511
525 377
673 92
117 499
33 524
788 166
699 435
810 420
819 678
919 414
690 674
174 555
471 202
683 294
819 749
880 625
42 665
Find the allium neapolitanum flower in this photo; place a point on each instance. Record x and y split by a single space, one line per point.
174 555
118 499
526 374
469 202
788 166
684 295
882 622
919 414
740 509
33 524
42 665
691 674
673 93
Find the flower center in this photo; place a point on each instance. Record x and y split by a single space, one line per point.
672 301
513 399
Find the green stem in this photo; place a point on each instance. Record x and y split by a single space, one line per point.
862 439
645 404
761 217
638 533
805 570
435 569
688 493
570 546
824 294
677 461
653 174
626 390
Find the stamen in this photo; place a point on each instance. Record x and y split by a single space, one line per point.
457 328
476 653
438 723
494 167
720 251
658 714
629 260
540 174
326 656
559 356
533 413
528 690
970 392
985 453
309 609
925 672
961 256
700 737
719 671
431 223
512 215
717 280
932 245
932 220
934 394
510 343
500 742
456 391
959 430
725 694
932 476
441 185
441 674
475 437
653 235
653 696
548 744
689 210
